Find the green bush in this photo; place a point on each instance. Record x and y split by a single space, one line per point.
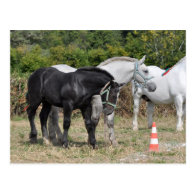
76 57
16 55
96 56
34 49
33 60
113 51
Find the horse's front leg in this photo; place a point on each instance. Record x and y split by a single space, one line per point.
179 109
150 111
66 123
136 102
97 108
90 125
110 123
43 118
106 139
53 126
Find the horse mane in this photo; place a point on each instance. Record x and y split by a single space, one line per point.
123 58
95 69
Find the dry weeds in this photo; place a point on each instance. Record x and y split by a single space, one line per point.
132 146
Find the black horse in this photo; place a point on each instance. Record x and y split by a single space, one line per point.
70 91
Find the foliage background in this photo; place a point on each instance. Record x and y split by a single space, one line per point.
30 50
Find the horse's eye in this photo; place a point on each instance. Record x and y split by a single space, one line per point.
146 71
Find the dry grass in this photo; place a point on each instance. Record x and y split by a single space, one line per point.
132 147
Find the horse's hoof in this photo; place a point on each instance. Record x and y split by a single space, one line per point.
60 140
46 141
114 143
94 147
179 129
33 140
65 146
135 129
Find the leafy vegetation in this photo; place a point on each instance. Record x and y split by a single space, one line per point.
33 49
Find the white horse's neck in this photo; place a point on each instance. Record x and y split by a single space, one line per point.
169 85
121 70
155 71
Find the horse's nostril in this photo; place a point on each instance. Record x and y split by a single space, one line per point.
151 87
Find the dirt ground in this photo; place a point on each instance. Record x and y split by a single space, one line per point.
132 145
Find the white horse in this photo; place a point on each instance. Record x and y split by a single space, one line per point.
124 69
171 88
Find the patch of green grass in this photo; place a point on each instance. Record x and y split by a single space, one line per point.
156 153
133 139
116 119
21 135
165 130
159 161
18 118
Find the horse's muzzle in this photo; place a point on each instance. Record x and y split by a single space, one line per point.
108 111
151 86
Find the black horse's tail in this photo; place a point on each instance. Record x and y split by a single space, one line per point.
33 95
27 98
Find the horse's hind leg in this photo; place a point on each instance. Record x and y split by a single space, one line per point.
31 111
53 126
184 112
43 118
106 139
179 109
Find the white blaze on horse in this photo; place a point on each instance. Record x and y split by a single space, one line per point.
123 69
171 89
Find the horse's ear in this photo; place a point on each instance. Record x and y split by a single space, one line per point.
112 82
142 60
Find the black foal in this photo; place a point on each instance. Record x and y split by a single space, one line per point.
69 91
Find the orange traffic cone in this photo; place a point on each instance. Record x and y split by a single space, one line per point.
154 139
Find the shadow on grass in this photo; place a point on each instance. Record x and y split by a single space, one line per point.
28 142
99 144
158 129
166 130
39 142
144 129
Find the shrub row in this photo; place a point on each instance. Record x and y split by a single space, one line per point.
18 91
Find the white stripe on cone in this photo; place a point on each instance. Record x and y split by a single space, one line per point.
154 130
154 141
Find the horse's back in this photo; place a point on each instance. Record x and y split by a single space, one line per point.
177 79
64 68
